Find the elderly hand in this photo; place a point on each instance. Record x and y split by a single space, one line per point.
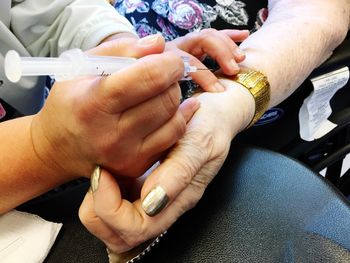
180 180
117 120
219 45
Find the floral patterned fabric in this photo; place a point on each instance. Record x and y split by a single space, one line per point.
174 18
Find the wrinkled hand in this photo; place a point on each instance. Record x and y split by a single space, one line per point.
115 121
182 176
219 45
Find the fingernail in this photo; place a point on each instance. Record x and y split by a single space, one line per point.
149 40
95 178
218 87
239 52
155 201
234 65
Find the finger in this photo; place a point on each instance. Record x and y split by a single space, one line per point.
188 107
151 114
172 131
119 214
238 54
226 55
216 44
156 144
204 77
130 47
175 173
236 35
148 77
127 220
97 227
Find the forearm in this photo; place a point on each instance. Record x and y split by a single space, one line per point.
296 38
22 174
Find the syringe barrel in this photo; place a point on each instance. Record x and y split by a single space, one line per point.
45 66
70 64
106 65
16 66
94 65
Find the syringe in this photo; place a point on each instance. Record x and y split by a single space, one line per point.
70 64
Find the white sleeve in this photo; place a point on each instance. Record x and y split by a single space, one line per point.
49 27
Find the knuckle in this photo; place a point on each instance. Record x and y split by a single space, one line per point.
202 139
152 75
84 217
82 109
111 96
209 31
170 100
186 170
134 241
179 126
192 35
117 91
102 149
194 197
164 75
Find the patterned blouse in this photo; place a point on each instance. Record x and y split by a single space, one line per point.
174 18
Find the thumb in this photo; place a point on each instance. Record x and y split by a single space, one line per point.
105 189
117 213
130 47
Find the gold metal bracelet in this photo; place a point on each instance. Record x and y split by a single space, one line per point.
257 84
137 253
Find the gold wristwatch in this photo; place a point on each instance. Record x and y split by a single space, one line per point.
257 84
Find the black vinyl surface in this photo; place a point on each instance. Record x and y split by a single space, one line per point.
261 207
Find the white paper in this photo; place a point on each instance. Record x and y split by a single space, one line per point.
25 237
314 113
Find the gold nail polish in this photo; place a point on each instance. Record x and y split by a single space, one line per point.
95 178
155 201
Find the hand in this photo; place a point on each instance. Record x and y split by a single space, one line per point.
219 45
179 181
115 121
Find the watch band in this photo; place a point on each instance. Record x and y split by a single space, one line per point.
257 84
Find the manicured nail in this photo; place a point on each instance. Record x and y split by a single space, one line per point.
149 40
95 178
218 87
155 201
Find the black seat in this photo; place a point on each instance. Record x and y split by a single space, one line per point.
261 207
